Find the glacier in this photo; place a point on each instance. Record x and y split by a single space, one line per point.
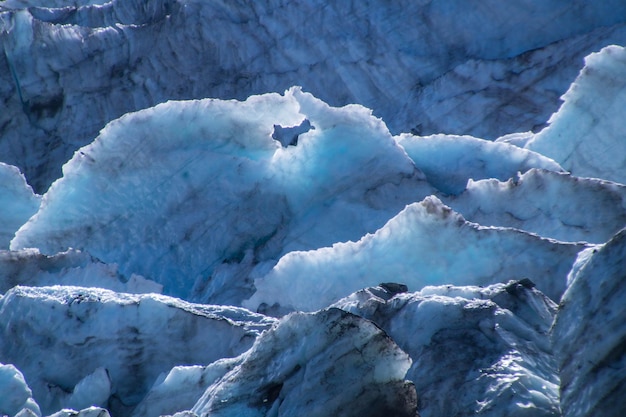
294 208
70 67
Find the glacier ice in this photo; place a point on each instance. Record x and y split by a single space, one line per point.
586 136
18 202
475 351
31 268
61 338
325 363
589 335
292 203
181 387
425 244
20 399
68 68
187 190
450 161
91 411
550 204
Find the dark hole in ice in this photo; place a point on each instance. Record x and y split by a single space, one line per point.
518 287
45 107
394 288
288 136
270 393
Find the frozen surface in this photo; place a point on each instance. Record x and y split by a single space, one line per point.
194 194
551 204
86 412
17 200
76 346
327 363
476 351
16 395
214 199
182 387
30 268
586 136
425 244
68 68
589 335
450 161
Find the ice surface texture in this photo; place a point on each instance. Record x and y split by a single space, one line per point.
284 203
17 200
327 363
31 268
73 342
425 244
586 136
488 347
68 68
196 193
589 335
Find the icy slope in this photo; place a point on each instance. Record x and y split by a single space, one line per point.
476 351
589 335
69 68
194 194
290 204
17 200
82 346
449 162
17 396
425 244
586 136
327 363
31 268
551 204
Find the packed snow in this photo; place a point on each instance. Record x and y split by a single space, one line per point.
407 233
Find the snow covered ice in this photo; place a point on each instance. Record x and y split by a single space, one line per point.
184 231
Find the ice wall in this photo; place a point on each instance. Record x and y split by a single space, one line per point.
69 68
586 136
194 194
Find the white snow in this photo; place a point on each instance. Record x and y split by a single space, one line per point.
586 136
425 244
